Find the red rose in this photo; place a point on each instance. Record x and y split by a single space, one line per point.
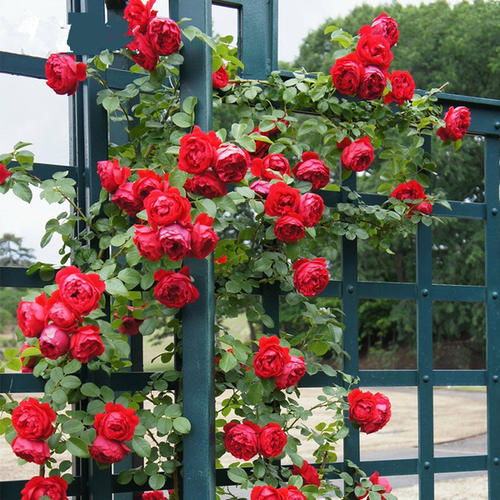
197 151
112 174
381 481
347 73
403 87
37 452
261 187
175 240
308 473
28 362
271 164
231 163
64 74
166 207
310 276
292 372
148 181
4 174
206 184
126 200
117 423
221 260
457 122
203 238
61 314
282 199
164 36
266 493
143 52
272 440
425 207
271 358
343 143
130 324
175 290
384 26
220 78
107 451
359 155
139 15
290 228
52 487
54 342
86 344
370 411
241 440
33 420
31 316
153 495
411 190
311 208
313 170
372 84
81 292
147 242
291 493
374 50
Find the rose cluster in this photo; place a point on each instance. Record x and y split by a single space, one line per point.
57 320
271 493
369 411
52 487
457 121
413 193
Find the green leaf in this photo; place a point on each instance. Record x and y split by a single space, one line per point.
189 104
115 287
22 191
90 390
182 425
141 447
130 277
77 447
70 382
156 481
59 396
111 103
237 475
72 427
182 120
227 362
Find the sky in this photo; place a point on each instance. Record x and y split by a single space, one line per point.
33 113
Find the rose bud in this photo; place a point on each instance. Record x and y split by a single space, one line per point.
311 209
175 240
290 228
54 342
164 36
281 200
60 314
308 473
384 26
143 52
197 151
380 481
31 316
147 242
33 420
53 487
241 440
291 493
272 440
37 452
125 199
166 207
206 184
220 78
261 187
313 170
112 174
203 238
64 74
28 362
148 181
359 155
310 276
372 84
292 373
266 493
369 411
271 358
86 344
139 15
107 451
231 163
175 290
4 174
457 122
403 88
374 50
117 423
347 73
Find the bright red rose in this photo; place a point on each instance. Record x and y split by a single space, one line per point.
203 238
60 313
4 174
310 277
281 200
143 52
126 200
147 242
266 493
175 290
164 36
112 174
370 411
54 342
292 373
197 151
33 420
275 163
258 169
261 187
411 190
403 87
206 184
221 260
374 50
343 143
272 440
308 473
175 240
271 358
231 163
290 228
86 344
81 292
117 423
347 73
424 207
382 481
311 208
34 451
384 26
153 495
64 74
166 207
241 440
220 78
457 122
372 84
313 170
139 15
53 487
382 414
31 316
359 155
148 181
28 362
291 493
107 451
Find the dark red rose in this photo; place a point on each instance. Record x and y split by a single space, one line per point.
271 358
143 52
411 190
164 36
148 181
241 440
308 473
372 84
175 240
52 487
34 451
28 362
310 276
272 440
403 87
313 170
130 324
197 151
261 187
81 292
457 121
206 184
54 342
384 26
147 242
374 50
126 200
203 238
281 200
60 313
107 451
275 166
343 143
359 155
425 207
258 169
31 316
175 290
292 373
86 344
153 495
117 422
64 74
220 78
381 481
311 208
4 174
291 493
112 174
231 163
370 411
266 493
347 73
33 420
139 15
166 207
290 228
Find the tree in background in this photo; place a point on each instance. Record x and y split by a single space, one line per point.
12 252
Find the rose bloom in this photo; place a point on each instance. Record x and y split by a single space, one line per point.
34 451
4 174
107 451
382 414
153 495
310 277
403 88
313 170
261 187
291 493
382 481
290 228
54 342
197 151
347 73
343 143
139 15
271 358
112 174
33 420
372 84
175 290
308 473
148 181
457 122
311 209
220 78
424 207
53 487
272 440
31 316
374 50
281 200
27 362
359 155
60 313
117 423
207 185
130 324
241 440
203 238
166 207
231 163
81 292
126 200
147 242
292 373
261 147
370 411
143 52
411 190
275 163
164 36
266 493
64 74
86 344
175 240
384 26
